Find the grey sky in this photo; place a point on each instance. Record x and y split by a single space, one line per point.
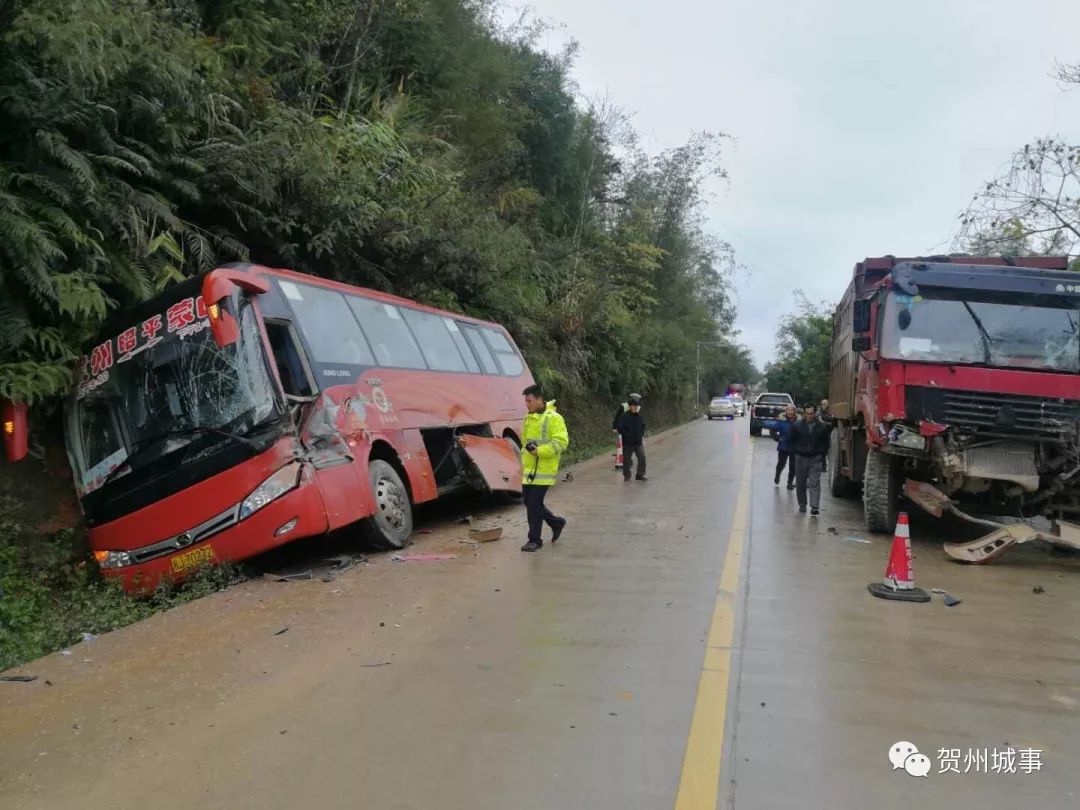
861 128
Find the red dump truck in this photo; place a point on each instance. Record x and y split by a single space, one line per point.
958 376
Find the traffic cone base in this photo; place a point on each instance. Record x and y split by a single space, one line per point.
899 581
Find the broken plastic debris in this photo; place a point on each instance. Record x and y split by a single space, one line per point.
18 678
853 539
466 519
281 631
1038 589
422 557
951 600
88 637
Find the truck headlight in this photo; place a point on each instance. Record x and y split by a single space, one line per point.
284 480
902 436
113 559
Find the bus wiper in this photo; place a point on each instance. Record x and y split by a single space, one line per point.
143 445
983 334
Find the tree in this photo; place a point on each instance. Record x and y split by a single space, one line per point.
804 342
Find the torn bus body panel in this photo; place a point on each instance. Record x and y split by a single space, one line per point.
493 463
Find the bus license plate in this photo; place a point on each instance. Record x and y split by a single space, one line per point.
196 558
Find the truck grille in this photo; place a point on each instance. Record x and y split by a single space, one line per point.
1002 413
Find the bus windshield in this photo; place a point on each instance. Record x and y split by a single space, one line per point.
158 387
1039 332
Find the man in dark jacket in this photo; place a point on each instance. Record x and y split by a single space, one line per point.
808 442
783 452
630 424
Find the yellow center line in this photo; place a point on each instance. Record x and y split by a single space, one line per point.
700 781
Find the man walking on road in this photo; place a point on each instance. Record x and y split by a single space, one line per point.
807 442
545 438
630 424
783 449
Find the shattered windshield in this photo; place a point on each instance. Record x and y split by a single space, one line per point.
160 386
1037 332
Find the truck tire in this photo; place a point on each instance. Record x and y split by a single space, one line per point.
881 491
390 528
839 484
755 429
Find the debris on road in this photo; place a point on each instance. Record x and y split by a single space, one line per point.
833 530
851 538
18 678
383 664
484 534
282 631
88 637
464 520
422 557
568 477
289 576
1038 589
423 531
950 600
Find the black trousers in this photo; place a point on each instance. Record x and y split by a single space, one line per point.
537 513
807 480
630 451
782 457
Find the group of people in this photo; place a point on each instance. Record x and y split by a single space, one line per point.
544 439
802 447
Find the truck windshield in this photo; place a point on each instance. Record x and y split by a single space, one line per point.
1038 332
160 386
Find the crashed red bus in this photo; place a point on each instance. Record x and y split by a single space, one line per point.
253 406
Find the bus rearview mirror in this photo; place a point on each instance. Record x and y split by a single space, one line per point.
220 289
16 430
860 344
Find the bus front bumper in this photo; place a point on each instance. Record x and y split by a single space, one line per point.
226 537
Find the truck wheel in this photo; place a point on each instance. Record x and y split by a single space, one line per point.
839 484
881 490
391 526
755 430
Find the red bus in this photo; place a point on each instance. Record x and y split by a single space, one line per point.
254 406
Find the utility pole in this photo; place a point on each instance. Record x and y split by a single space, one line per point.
697 368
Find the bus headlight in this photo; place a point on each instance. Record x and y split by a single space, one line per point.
284 480
113 559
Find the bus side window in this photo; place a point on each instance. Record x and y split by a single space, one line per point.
288 356
508 359
472 334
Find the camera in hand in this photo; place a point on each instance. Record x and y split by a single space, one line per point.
531 447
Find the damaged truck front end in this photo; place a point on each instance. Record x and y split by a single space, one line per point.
957 382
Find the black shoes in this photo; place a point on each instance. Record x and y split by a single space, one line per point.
641 478
532 545
791 486
802 510
556 530
776 481
815 512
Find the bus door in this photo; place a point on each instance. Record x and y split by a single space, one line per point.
323 420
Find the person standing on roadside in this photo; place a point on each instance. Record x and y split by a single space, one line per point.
807 443
783 452
630 425
544 438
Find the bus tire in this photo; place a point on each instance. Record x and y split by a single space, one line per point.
391 526
881 491
839 484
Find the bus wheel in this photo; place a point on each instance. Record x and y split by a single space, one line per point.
391 525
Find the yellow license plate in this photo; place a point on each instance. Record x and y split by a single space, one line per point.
196 558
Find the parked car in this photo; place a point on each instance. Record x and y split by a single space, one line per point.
767 412
740 405
721 408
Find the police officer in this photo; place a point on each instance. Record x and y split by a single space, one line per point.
545 439
630 424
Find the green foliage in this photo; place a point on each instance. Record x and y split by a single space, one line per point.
804 343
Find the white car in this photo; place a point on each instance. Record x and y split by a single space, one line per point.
721 408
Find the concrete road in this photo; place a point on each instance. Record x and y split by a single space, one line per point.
690 643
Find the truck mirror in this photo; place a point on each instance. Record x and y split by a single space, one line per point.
860 344
16 430
861 316
220 291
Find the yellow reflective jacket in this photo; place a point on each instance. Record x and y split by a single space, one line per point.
548 430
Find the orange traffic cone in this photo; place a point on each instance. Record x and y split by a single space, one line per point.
899 582
618 454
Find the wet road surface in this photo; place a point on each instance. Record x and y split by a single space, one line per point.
683 624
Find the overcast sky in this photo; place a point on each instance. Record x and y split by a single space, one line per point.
861 128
